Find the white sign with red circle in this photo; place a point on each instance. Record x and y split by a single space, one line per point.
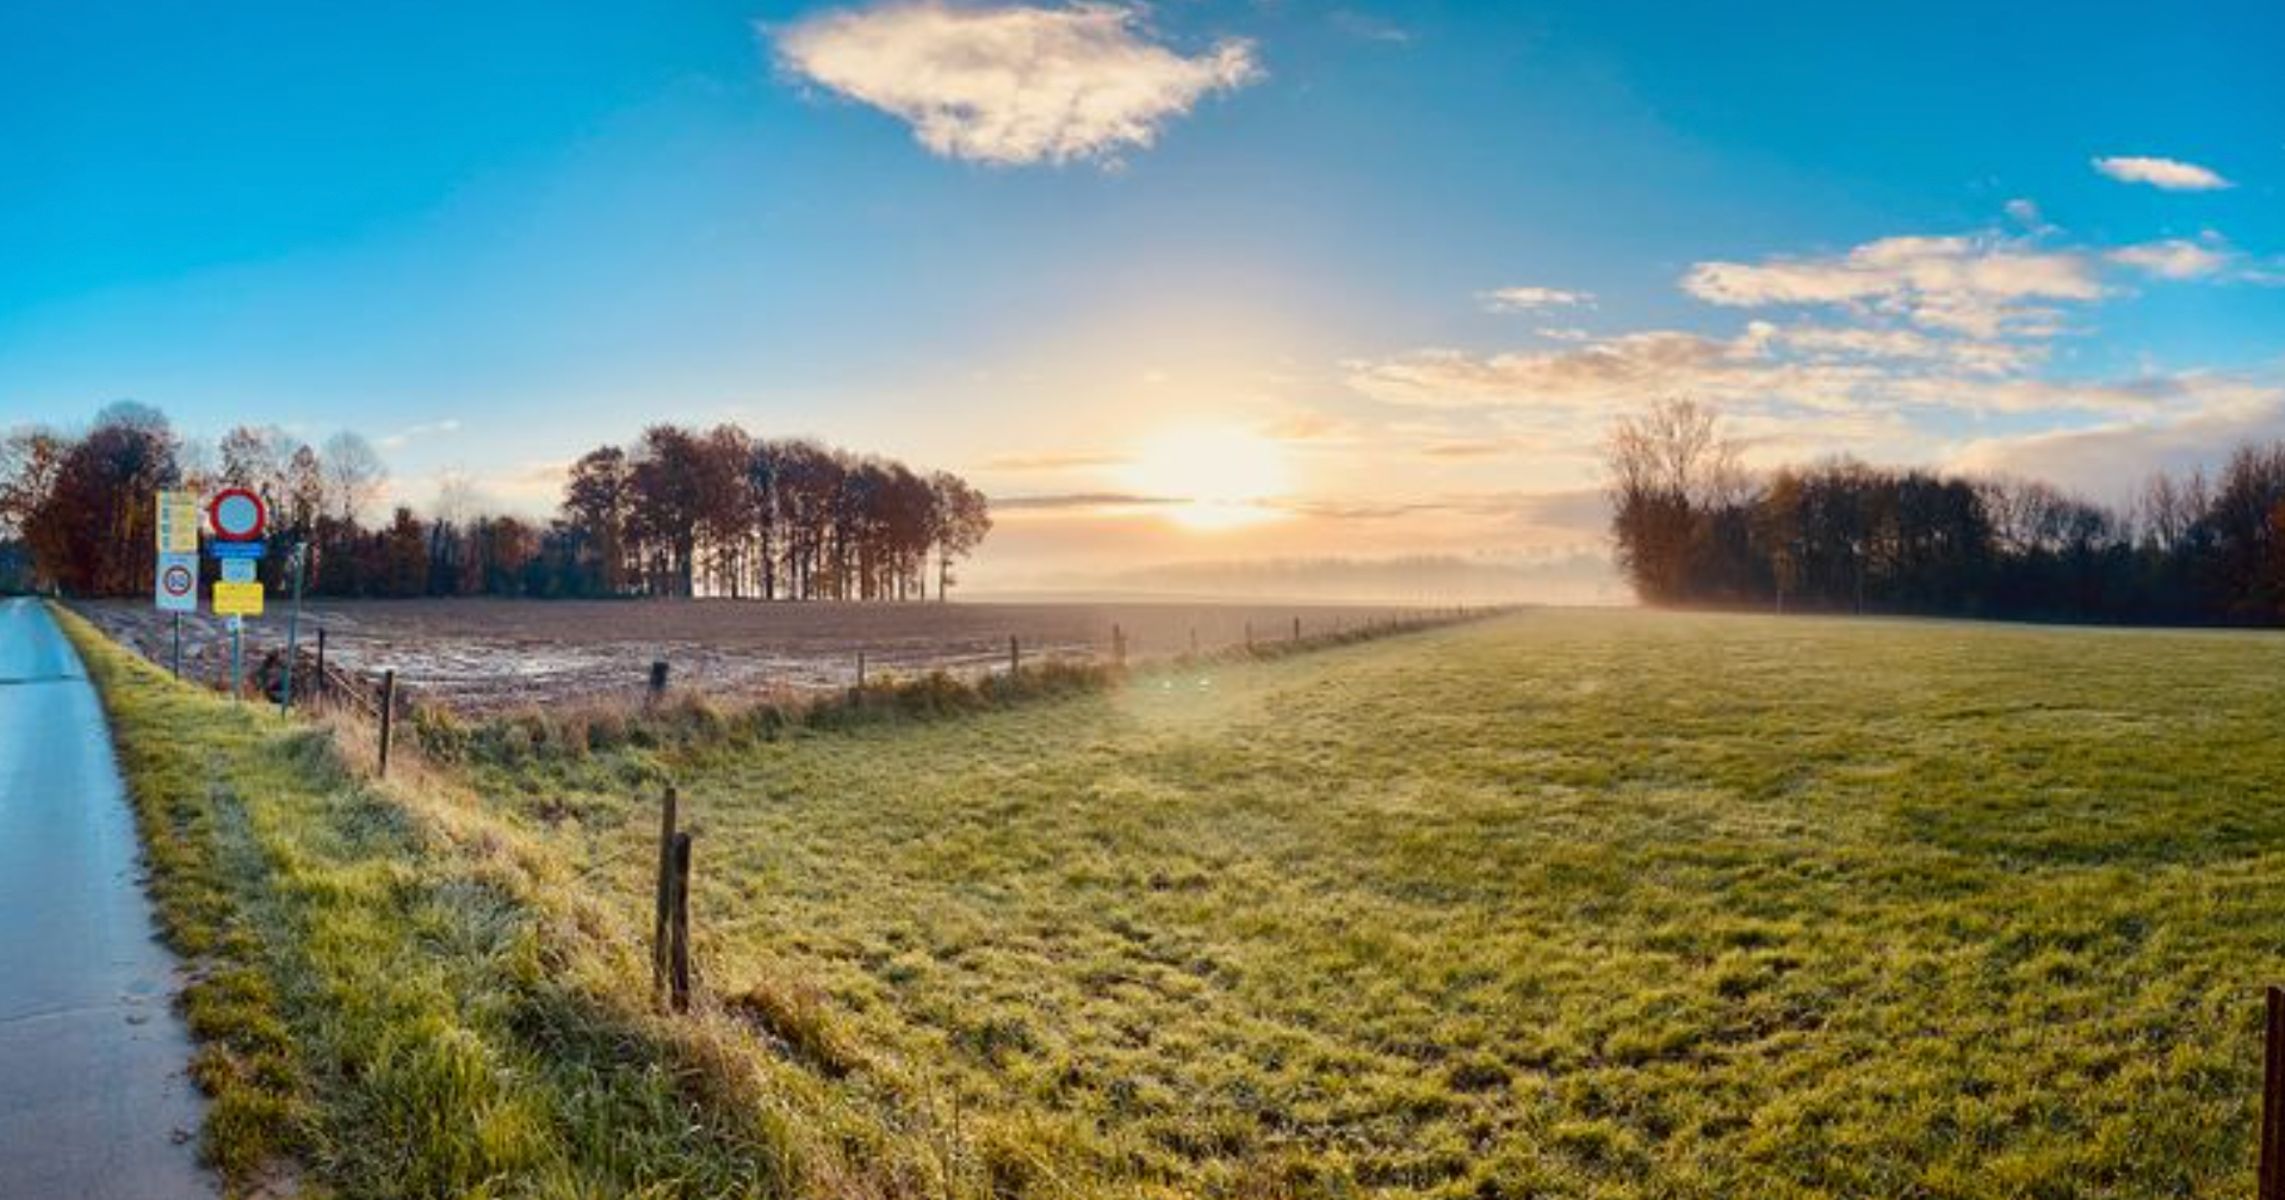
237 515
178 583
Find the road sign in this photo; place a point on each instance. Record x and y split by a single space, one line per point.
238 570
178 583
237 515
248 550
178 523
238 599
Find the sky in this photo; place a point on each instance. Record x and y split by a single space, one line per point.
1191 281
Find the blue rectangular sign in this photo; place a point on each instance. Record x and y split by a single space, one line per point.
228 550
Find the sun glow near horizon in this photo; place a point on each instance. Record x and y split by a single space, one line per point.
1212 477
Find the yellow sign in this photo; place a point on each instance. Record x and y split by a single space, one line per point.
238 599
178 522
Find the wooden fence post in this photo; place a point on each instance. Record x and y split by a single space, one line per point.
658 680
1249 636
1297 629
388 716
661 951
1118 644
860 674
1194 641
680 975
1015 655
2273 1101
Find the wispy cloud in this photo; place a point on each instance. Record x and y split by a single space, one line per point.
1768 371
411 433
2172 174
2025 212
2174 258
1981 286
1366 27
1012 84
1532 299
1074 460
1080 500
2207 413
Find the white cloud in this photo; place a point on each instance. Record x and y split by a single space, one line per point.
1980 286
1012 84
2171 174
2174 258
1528 299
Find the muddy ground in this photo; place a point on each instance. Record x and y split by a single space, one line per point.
492 655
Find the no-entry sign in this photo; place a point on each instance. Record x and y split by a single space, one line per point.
237 515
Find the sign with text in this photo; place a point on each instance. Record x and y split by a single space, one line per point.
178 523
238 599
238 570
178 582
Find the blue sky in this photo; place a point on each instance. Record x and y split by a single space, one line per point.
1032 243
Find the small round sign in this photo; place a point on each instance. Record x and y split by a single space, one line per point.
177 580
237 515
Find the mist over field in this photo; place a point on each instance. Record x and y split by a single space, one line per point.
1556 579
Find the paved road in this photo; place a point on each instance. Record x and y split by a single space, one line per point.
93 1100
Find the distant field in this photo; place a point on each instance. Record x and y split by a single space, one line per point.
1578 904
489 655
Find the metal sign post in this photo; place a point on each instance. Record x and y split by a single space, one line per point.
293 627
238 517
175 582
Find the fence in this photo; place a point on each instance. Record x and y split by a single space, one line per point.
343 670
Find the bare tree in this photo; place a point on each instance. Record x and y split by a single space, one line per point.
355 476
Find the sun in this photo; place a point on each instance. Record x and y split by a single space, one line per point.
1215 477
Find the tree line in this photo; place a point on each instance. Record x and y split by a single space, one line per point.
678 512
1692 527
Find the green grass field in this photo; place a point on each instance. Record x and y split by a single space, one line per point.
1563 904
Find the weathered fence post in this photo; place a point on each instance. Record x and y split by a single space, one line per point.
1118 644
1015 655
388 716
679 977
1297 629
2273 1101
860 674
1194 641
658 680
1249 636
661 951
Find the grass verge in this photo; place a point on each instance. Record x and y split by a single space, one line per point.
398 995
